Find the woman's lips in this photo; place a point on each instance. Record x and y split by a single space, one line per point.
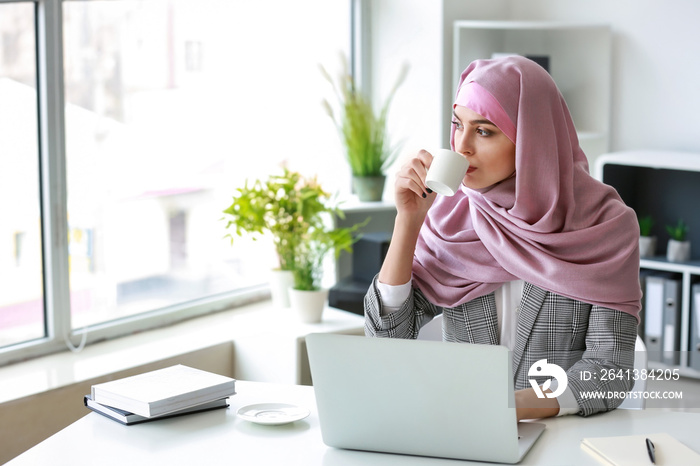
471 169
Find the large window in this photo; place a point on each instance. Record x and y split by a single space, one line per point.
168 106
21 292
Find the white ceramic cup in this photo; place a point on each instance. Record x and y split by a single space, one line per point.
446 172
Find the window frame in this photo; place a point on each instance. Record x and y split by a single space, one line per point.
59 335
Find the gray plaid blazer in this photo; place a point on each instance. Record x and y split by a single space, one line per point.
587 341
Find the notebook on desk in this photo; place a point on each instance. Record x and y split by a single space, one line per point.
425 398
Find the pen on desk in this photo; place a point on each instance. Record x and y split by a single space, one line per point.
652 451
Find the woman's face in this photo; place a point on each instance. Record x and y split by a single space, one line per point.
490 153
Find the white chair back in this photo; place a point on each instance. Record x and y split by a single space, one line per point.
432 330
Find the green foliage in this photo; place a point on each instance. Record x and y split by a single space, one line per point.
363 131
679 231
278 206
314 245
297 212
645 225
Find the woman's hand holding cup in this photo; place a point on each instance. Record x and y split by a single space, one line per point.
411 194
426 174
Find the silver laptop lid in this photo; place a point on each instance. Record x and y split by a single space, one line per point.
428 398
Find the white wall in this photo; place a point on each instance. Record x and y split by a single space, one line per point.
656 66
408 32
655 72
418 32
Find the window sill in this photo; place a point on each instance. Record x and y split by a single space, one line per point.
253 325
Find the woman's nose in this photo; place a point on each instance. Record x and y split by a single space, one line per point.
463 143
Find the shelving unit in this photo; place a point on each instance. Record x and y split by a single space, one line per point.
579 62
665 185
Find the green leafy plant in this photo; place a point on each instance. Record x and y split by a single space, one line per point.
297 212
279 206
314 245
679 231
645 225
363 132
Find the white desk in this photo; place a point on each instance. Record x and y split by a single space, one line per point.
220 438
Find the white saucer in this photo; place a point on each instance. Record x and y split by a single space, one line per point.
272 413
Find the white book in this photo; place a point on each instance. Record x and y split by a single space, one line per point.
163 391
127 418
631 450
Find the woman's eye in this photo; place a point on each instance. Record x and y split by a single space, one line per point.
457 124
483 132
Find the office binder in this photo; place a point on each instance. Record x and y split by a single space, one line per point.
653 316
643 274
694 350
671 337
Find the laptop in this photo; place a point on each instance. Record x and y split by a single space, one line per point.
425 398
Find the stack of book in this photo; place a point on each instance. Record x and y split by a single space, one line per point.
158 394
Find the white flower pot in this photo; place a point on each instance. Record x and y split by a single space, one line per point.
647 246
678 251
308 305
280 283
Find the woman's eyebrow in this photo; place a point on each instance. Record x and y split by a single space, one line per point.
481 122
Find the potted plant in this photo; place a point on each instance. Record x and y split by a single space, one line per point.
307 296
363 132
647 242
276 207
315 237
678 247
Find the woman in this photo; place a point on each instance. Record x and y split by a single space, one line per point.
532 253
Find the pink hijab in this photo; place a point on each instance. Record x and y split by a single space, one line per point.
552 224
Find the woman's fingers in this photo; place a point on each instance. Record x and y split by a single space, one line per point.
415 171
411 194
409 181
